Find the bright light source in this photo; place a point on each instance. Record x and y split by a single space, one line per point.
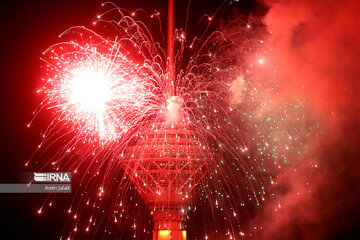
89 89
164 234
183 235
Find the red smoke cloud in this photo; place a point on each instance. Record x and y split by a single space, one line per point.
315 50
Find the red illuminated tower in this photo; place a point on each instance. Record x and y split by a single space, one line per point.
166 164
168 161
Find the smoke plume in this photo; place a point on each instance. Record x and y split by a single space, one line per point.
315 50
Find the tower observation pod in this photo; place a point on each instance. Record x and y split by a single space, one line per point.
166 164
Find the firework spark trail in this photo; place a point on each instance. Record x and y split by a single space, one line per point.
103 93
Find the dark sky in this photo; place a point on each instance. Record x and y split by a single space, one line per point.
29 27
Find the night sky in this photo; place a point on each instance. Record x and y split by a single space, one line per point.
321 44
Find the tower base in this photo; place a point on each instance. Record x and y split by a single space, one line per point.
169 223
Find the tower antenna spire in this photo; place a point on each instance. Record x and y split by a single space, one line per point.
170 47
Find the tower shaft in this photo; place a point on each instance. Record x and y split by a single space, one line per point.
170 47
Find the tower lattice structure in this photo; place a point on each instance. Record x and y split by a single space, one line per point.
166 164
